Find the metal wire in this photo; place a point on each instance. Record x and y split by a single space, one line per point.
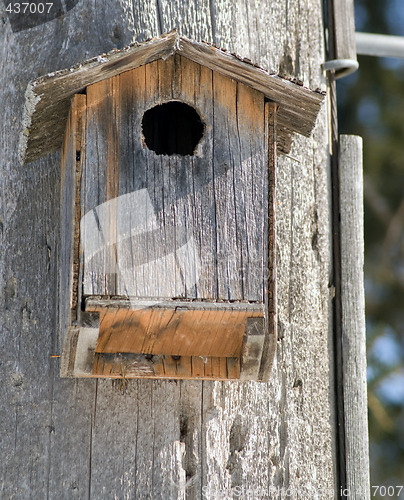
341 67
369 44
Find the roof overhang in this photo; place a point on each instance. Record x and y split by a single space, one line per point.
48 98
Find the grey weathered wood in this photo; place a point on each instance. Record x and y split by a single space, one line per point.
48 98
159 435
204 215
353 318
270 295
69 264
344 29
298 106
124 302
251 353
178 227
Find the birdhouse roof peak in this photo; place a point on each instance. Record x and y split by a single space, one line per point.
47 99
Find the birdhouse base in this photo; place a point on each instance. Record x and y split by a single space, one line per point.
176 339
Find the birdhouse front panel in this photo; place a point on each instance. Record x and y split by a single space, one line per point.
175 186
173 270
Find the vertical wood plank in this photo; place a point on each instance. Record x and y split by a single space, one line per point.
353 317
270 295
344 29
251 185
101 185
226 156
239 181
162 187
196 89
136 217
72 158
67 202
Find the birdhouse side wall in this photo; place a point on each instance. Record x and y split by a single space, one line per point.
70 213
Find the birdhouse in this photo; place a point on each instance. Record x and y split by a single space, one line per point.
168 152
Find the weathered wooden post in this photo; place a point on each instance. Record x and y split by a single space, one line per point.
143 438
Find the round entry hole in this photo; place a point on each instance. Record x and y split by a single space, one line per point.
172 128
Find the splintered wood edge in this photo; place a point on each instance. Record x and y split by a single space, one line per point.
299 106
95 302
47 99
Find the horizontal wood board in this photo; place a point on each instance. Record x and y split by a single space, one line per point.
126 366
180 332
175 226
48 98
95 302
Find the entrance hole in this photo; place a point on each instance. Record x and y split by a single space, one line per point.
172 128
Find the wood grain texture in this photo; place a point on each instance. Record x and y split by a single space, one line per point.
251 349
353 317
344 29
70 214
47 99
175 226
165 439
270 295
179 332
298 106
82 359
127 366
195 227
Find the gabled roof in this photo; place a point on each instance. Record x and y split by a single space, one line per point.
48 98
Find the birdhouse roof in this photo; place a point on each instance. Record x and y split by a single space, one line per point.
48 98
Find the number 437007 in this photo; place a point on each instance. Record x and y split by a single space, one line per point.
29 8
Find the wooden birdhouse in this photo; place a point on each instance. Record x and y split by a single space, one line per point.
168 265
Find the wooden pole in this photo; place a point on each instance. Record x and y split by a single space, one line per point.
353 318
164 439
344 29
